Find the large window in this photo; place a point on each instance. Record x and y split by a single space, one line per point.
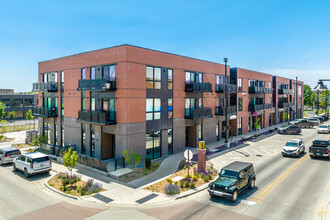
93 74
153 77
92 104
108 105
28 102
240 104
93 144
170 108
153 109
194 77
239 126
170 79
109 72
239 84
83 141
170 141
18 103
83 73
153 146
220 79
200 132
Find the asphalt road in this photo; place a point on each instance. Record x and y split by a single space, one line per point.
286 188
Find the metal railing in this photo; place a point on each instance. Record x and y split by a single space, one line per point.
108 117
198 87
191 113
230 88
285 104
285 91
220 110
268 106
44 112
41 87
256 89
256 107
97 84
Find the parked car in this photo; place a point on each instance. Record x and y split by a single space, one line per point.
294 147
32 163
320 118
320 148
304 123
324 129
291 129
315 121
325 117
232 180
7 154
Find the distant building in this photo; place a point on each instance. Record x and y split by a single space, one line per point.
19 103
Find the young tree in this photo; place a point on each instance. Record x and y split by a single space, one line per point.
309 96
2 110
285 115
70 159
11 116
257 124
3 128
132 158
29 116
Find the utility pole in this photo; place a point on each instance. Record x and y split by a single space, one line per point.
226 104
297 98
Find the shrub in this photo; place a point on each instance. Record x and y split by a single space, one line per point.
206 179
196 178
171 189
176 183
148 162
181 183
169 181
193 184
190 176
90 187
186 182
145 171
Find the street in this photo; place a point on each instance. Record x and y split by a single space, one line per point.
286 188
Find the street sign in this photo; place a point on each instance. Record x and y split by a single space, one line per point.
188 154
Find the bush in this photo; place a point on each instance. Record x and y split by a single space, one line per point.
90 187
190 176
206 179
186 182
148 162
145 171
170 181
181 183
171 189
193 184
176 183
196 178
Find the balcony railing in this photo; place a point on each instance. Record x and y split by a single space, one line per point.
257 107
285 104
44 112
97 84
41 87
198 87
230 88
256 89
220 110
191 113
108 117
282 91
268 106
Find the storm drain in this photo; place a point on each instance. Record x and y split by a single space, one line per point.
147 198
103 198
259 155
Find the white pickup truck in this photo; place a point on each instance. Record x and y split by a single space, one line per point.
32 163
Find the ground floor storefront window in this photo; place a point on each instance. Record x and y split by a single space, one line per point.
153 144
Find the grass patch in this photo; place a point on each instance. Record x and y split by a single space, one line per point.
20 127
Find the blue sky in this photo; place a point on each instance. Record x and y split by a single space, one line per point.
287 38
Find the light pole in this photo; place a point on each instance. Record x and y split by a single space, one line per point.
226 104
296 97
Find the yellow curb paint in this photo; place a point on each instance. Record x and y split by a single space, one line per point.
280 177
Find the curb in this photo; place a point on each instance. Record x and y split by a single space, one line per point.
196 190
59 192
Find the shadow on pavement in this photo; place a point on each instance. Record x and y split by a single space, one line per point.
32 177
244 195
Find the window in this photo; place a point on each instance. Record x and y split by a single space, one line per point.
239 126
170 108
83 73
62 76
240 104
153 77
170 79
17 103
200 132
62 128
194 77
269 85
45 77
93 144
220 79
108 105
217 130
83 141
153 109
153 146
239 84
6 102
170 141
190 105
92 104
28 102
109 72
83 100
92 76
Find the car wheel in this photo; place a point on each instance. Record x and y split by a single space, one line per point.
235 195
14 167
252 183
310 126
0 162
26 174
312 157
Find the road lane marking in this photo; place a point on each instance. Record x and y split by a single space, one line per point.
279 179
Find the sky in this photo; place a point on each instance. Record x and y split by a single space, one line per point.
286 38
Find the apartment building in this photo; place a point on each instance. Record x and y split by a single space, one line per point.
157 103
19 103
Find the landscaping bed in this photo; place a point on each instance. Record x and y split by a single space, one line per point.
195 179
73 185
21 145
141 172
3 138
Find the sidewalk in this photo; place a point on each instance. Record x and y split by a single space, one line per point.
132 194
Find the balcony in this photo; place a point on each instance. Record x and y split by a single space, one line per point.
220 110
100 117
282 91
97 84
42 87
257 107
198 87
44 112
285 104
198 113
230 88
256 89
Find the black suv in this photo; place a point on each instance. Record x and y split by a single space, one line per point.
232 180
320 148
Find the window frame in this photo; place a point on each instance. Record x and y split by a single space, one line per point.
153 81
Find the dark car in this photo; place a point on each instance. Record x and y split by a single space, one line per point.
291 129
321 118
232 180
320 148
304 123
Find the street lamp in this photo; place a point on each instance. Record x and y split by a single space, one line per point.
319 88
226 104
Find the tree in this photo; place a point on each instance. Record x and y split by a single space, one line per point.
29 116
70 159
39 140
132 158
11 116
2 110
257 124
3 127
285 115
309 96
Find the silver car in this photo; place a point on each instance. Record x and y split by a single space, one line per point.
294 147
8 154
